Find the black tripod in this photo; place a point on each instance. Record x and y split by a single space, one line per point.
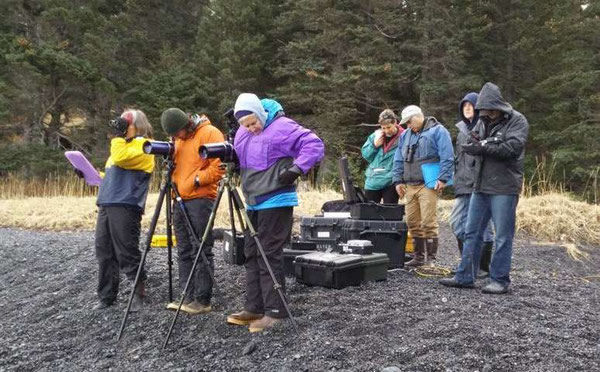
236 202
168 188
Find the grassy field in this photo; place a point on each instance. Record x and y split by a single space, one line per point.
550 217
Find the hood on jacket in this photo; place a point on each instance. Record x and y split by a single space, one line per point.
472 99
248 103
273 108
490 98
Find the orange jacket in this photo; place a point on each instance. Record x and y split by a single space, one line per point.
189 164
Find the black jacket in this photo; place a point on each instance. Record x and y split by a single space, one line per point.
464 174
500 170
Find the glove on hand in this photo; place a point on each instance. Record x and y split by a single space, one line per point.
474 148
288 177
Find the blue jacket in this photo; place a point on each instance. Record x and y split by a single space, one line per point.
431 145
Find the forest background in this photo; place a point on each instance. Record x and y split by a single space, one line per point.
69 66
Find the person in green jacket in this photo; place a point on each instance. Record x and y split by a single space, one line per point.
379 150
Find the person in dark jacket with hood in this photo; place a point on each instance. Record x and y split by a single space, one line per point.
498 144
463 182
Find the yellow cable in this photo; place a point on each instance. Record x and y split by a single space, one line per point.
432 271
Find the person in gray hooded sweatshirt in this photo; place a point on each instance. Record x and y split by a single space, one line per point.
464 180
498 144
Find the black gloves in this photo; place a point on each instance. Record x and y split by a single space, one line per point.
79 173
474 148
289 176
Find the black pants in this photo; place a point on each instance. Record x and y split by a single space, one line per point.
389 195
201 286
274 227
117 246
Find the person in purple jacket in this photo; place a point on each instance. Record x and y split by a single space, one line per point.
273 151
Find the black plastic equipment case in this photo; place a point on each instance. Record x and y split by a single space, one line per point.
288 259
331 270
374 267
230 255
303 245
325 231
388 237
376 211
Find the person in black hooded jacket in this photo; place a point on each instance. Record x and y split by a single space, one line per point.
498 145
464 181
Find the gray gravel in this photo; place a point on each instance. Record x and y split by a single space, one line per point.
549 322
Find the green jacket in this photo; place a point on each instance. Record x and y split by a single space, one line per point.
379 172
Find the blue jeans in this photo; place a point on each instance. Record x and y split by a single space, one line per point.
458 219
501 209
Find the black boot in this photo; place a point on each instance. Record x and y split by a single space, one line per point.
432 248
486 256
139 293
419 260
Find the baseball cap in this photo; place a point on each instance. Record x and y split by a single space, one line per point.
410 111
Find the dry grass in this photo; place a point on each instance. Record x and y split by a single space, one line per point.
72 213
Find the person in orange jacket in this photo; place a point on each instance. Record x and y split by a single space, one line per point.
196 180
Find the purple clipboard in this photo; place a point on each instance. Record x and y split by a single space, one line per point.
80 162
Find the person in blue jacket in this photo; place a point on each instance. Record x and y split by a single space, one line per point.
379 150
426 141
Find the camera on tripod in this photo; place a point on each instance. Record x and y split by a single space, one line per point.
223 150
159 148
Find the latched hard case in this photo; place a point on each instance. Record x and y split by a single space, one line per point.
233 254
325 231
376 211
374 267
288 259
331 270
388 237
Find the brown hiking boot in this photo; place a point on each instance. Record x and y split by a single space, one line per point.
432 248
263 323
419 260
195 307
243 318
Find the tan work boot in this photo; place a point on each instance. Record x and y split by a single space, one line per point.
195 307
263 323
243 318
175 304
432 248
419 260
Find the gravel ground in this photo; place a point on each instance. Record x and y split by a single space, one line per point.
549 322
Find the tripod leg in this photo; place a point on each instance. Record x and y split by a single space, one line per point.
254 235
170 244
161 198
200 253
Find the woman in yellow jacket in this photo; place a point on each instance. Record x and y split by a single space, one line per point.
121 201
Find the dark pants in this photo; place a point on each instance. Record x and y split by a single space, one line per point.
117 246
274 227
388 194
198 210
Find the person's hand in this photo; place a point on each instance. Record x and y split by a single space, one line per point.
79 173
473 148
288 177
378 139
439 186
401 190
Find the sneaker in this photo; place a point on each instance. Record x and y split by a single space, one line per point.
195 307
243 318
263 323
452 282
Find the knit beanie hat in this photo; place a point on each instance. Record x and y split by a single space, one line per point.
248 103
172 120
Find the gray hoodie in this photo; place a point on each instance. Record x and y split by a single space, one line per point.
500 170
